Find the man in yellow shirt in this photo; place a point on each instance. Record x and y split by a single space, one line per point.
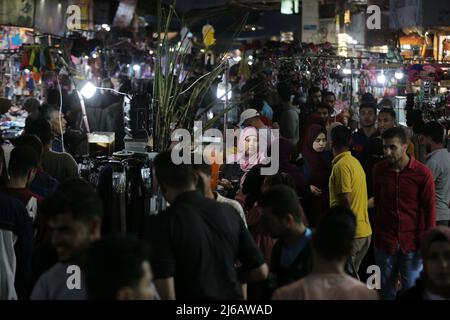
348 188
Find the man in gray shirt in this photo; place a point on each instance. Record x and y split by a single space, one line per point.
438 161
74 217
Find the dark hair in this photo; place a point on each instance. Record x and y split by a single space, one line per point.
323 106
313 90
177 176
22 160
368 97
281 178
435 131
284 92
328 93
76 197
203 167
368 105
283 200
53 97
30 140
389 111
340 137
335 234
41 128
386 102
395 132
114 262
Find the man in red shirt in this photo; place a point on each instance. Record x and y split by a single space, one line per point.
404 209
23 164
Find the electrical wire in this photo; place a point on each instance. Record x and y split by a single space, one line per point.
60 113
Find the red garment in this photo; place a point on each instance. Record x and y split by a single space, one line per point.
266 121
404 206
22 194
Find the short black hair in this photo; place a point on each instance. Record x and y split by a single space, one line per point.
335 234
114 262
368 105
313 90
76 197
368 97
53 97
435 131
30 140
283 200
177 176
42 128
389 111
203 167
328 93
284 92
340 137
323 106
280 178
22 160
395 132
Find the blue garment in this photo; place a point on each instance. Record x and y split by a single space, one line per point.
267 111
409 266
289 254
43 184
57 145
16 234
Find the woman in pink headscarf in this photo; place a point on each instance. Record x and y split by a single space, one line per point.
249 153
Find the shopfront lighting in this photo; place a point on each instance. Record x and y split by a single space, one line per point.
136 67
399 75
94 56
222 90
250 63
106 27
253 29
150 52
346 71
290 6
87 89
381 78
250 57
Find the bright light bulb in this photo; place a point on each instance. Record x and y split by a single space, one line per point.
128 65
338 66
94 56
399 75
151 52
381 79
86 57
136 67
210 115
237 59
88 90
347 71
250 63
26 71
253 29
202 50
250 57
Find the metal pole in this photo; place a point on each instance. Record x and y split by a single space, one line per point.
225 105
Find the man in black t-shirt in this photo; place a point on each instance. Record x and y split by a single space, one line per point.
197 241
